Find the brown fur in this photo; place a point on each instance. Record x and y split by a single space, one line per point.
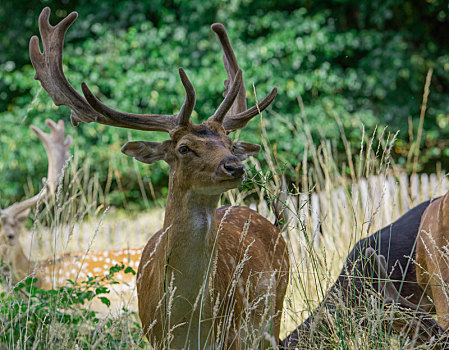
268 255
432 256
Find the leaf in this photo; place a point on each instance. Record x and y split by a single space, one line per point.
105 301
129 269
101 290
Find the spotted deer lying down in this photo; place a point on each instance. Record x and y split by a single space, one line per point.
56 270
210 278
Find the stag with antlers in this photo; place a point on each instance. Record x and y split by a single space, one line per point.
207 270
13 217
77 266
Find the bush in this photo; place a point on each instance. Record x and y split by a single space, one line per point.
346 64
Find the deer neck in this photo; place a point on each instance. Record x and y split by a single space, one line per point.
190 222
190 227
18 262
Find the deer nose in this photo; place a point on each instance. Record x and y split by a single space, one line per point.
234 167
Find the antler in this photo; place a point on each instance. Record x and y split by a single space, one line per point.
56 148
48 66
238 114
424 321
232 112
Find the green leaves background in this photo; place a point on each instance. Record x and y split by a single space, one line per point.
362 62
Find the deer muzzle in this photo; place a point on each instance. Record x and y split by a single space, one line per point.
232 167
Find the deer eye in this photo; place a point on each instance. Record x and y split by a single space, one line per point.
183 149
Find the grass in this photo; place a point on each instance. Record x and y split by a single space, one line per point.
318 244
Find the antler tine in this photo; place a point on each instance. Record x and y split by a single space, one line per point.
239 121
238 116
189 103
426 322
48 66
224 107
157 122
56 148
231 66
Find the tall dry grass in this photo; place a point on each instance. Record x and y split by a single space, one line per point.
318 244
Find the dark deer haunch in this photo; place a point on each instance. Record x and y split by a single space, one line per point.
393 277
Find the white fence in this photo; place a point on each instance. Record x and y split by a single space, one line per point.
356 210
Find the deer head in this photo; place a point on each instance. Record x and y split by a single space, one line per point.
13 217
202 157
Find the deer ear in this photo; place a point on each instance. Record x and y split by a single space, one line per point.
242 150
145 152
21 217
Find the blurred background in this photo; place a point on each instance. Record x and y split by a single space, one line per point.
344 69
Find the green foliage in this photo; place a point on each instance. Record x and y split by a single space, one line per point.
32 317
347 62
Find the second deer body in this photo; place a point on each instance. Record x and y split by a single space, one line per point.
406 262
432 258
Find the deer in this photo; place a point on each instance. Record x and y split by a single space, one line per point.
14 216
432 270
58 269
208 270
404 263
